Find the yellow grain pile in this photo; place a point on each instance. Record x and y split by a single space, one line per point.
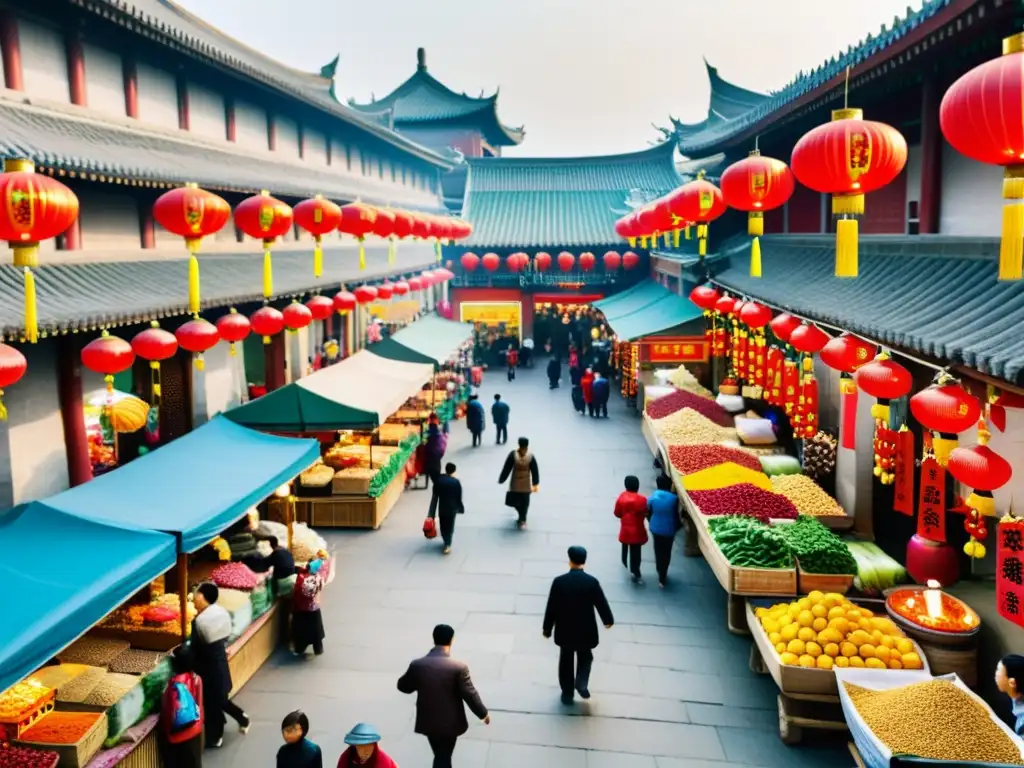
681 378
807 496
687 427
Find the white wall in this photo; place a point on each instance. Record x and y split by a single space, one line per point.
287 137
104 80
206 112
108 220
338 160
158 96
316 148
220 385
250 126
972 196
44 61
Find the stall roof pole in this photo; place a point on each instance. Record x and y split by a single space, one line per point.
182 568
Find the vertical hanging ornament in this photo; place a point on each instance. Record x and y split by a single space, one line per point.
931 505
233 328
264 218
1010 569
319 217
903 496
384 227
358 221
155 345
12 367
700 202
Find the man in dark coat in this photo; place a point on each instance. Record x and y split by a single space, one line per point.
475 418
499 415
599 392
446 503
443 689
572 601
554 372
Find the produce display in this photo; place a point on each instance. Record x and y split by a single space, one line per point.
305 541
807 496
232 599
137 662
94 651
954 616
780 464
78 689
110 689
676 401
681 378
875 569
935 719
820 455
57 675
687 427
746 543
744 499
688 459
25 757
724 476
61 728
395 464
234 576
816 548
826 630
21 698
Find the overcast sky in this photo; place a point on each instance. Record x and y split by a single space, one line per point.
583 76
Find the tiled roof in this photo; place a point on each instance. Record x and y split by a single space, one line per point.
728 100
73 139
712 167
92 295
936 296
168 24
424 99
559 202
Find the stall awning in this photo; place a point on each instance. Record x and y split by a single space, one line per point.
61 574
194 487
431 339
360 392
645 309
632 299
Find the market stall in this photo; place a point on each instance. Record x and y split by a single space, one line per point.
431 339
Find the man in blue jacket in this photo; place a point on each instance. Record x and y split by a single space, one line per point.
476 419
599 392
499 413
664 522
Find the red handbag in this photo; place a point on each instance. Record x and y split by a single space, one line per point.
429 528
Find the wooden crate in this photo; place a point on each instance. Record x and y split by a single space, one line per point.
145 755
77 755
257 644
823 582
13 728
352 511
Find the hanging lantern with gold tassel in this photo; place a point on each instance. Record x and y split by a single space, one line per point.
757 184
264 218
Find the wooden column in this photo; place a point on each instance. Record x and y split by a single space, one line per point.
302 141
931 160
10 48
230 127
271 133
184 117
69 392
71 240
274 359
76 72
147 224
131 88
327 147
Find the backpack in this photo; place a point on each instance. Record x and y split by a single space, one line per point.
185 711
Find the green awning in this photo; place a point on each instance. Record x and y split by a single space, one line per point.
431 339
636 298
670 311
360 392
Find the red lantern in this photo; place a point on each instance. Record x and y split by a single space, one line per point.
383 223
365 294
612 261
725 305
443 275
808 339
358 220
698 201
233 328
318 217
516 262
981 117
846 353
755 315
267 322
542 262
320 307
757 184
108 355
705 297
626 229
847 158
946 409
197 336
400 288
420 226
385 291
566 261
415 284
296 316
344 302
982 469
783 325
491 262
630 261
587 261
885 380
264 218
427 278
403 224
12 367
469 262
154 344
191 213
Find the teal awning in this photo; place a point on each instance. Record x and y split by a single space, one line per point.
664 314
360 392
431 339
639 296
193 487
62 574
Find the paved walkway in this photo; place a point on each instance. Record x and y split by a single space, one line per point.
671 687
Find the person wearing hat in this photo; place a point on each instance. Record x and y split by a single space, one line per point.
364 749
307 623
570 610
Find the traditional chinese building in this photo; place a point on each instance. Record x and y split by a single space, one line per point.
122 101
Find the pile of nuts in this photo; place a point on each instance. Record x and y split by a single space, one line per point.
807 496
77 690
111 689
94 651
687 427
136 662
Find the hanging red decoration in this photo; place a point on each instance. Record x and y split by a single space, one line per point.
191 213
757 184
755 315
783 325
611 260
264 218
883 379
296 316
469 261
725 305
443 275
542 262
154 344
385 291
587 261
847 158
319 217
108 355
197 336
701 202
365 294
1009 565
846 353
320 307
403 224
384 227
517 262
630 261
267 322
415 284
627 228
36 207
566 261
705 297
491 262
427 278
12 367
400 288
982 469
808 339
233 328
345 302
946 409
358 221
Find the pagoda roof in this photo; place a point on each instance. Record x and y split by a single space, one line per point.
78 141
168 24
561 202
425 99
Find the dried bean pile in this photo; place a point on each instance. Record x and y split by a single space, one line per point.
23 757
78 689
936 720
807 496
136 662
687 427
688 459
234 576
61 728
111 689
676 401
744 499
94 651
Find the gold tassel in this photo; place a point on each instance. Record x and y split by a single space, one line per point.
3 408
702 247
231 349
318 257
200 362
392 251
755 224
942 447
268 274
1011 247
362 254
31 309
687 232
643 241
755 258
193 284
983 502
631 241
666 240
846 248
880 412
266 339
675 238
437 250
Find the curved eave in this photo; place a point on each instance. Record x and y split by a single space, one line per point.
421 79
664 149
496 133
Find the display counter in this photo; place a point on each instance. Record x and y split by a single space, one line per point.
257 644
351 510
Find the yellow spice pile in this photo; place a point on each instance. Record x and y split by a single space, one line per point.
807 496
935 720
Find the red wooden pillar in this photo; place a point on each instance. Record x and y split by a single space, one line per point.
229 120
131 89
147 224
274 357
76 72
271 133
71 240
69 392
184 117
10 48
931 160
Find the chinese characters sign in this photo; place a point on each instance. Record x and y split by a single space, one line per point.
1009 567
903 500
677 351
931 506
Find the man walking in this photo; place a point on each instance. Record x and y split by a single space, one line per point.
446 503
600 391
572 601
442 686
475 419
499 414
522 467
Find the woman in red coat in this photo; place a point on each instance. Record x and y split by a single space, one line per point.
587 383
631 509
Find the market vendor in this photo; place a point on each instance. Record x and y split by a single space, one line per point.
1010 680
280 560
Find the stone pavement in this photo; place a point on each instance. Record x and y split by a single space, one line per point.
671 686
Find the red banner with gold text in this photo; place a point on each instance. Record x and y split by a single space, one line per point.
903 499
1009 567
931 506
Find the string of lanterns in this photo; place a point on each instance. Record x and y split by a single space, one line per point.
542 261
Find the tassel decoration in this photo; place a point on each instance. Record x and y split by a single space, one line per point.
755 224
193 284
200 362
631 241
667 242
392 251
1011 247
846 248
318 257
31 308
675 238
3 408
437 250
755 258
268 272
362 254
686 231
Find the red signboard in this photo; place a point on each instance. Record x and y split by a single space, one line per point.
931 507
1009 567
903 499
677 350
